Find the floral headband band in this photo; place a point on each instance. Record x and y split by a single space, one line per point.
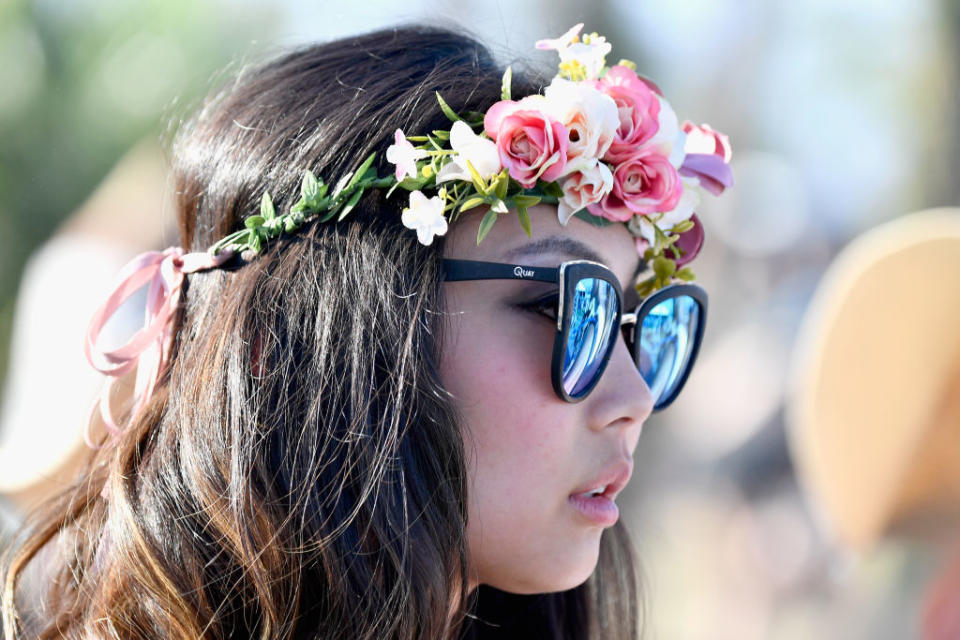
601 143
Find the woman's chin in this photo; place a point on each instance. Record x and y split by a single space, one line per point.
562 574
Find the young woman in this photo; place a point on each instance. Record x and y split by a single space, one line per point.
345 429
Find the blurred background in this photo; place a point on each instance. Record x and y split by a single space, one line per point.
842 114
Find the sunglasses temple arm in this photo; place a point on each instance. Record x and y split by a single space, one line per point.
457 270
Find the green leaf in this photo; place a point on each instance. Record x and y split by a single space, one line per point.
266 207
255 243
478 181
522 200
505 84
553 189
341 184
447 111
350 204
253 222
440 134
645 288
486 224
500 186
664 267
330 214
686 275
410 184
472 202
310 188
361 171
597 221
474 119
682 227
524 220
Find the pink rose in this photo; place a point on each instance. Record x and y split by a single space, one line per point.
638 109
582 188
707 159
531 144
703 139
645 182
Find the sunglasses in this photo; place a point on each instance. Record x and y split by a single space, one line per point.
663 332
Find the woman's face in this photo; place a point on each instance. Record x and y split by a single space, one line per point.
528 452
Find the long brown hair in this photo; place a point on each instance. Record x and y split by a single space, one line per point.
299 473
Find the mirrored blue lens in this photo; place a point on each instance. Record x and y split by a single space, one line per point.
592 318
667 337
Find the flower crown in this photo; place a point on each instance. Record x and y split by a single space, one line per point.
601 143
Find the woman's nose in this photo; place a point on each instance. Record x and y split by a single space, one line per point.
621 397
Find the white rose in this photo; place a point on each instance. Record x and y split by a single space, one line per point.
584 187
590 117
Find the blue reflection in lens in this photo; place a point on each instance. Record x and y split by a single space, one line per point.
666 343
592 315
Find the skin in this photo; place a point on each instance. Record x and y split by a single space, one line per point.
527 450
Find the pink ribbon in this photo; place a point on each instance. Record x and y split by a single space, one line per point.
146 350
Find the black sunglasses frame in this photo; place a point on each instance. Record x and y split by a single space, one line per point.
567 275
646 306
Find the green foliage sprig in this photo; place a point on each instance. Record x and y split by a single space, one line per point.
314 202
499 193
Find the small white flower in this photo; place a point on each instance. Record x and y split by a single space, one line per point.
590 51
563 41
481 152
592 56
404 155
642 226
425 215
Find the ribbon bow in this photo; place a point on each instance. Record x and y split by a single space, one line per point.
145 350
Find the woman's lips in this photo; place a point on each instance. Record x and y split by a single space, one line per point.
600 510
595 500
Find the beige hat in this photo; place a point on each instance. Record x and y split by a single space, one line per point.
874 406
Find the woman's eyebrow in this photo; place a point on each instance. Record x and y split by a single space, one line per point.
554 244
563 244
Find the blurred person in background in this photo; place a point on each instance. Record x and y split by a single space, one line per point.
40 447
348 429
875 407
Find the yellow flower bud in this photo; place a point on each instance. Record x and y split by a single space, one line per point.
589 37
573 70
426 171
